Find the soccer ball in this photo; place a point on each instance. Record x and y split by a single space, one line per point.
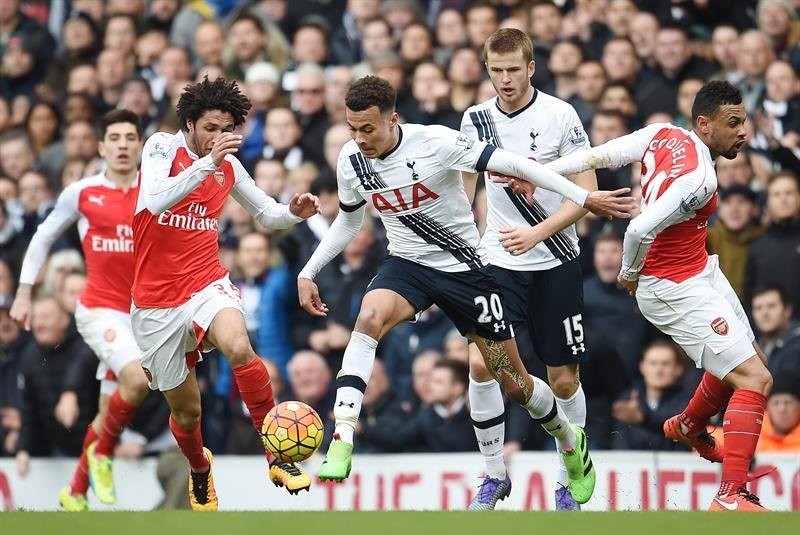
292 431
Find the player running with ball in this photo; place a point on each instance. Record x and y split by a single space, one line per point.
410 174
680 289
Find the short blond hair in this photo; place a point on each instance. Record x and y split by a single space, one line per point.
506 40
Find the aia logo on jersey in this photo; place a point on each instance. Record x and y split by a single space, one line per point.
219 176
419 193
720 326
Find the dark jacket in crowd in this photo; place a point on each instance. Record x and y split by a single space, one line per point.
649 433
49 372
732 249
386 413
774 258
785 355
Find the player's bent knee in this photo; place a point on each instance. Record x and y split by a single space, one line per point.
239 353
564 386
188 418
370 321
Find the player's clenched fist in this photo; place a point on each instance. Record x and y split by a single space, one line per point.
309 298
226 143
304 205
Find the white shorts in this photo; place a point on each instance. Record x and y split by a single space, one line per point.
109 335
171 339
703 315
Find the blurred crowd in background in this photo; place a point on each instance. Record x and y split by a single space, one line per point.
621 63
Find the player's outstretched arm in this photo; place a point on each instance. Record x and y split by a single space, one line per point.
64 214
157 189
343 229
265 210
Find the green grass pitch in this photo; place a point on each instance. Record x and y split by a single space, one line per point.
397 523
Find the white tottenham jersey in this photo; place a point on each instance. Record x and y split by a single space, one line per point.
417 189
544 130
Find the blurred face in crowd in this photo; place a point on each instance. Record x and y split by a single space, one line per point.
83 79
735 171
247 40
445 389
620 61
686 93
134 8
120 148
94 8
429 83
120 34
80 141
608 260
16 157
565 58
202 135
5 115
465 67
606 127
415 43
755 54
784 412
618 98
270 176
511 78
485 91
783 198
72 171
174 65
781 81
335 138
660 367
770 315
309 95
253 257
725 44
9 329
300 179
164 10
209 42
591 80
309 376
360 245
328 203
377 385
8 10
77 34
545 22
450 29
420 375
49 322
363 9
281 130
399 17
376 38
309 45
8 190
113 68
42 124
149 47
33 190
737 212
774 20
672 50
337 80
724 131
71 289
136 97
619 15
374 132
481 23
391 71
78 107
643 30
17 62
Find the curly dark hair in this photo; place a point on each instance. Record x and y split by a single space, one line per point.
713 95
371 91
206 95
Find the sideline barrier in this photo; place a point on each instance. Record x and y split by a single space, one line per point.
625 481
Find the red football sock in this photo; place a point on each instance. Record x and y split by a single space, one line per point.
119 415
80 479
253 382
191 444
709 398
741 427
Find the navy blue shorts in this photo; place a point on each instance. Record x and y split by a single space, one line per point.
471 299
546 309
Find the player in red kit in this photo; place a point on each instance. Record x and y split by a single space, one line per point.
102 205
680 289
183 300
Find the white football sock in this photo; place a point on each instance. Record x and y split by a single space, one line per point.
574 408
351 381
545 411
488 419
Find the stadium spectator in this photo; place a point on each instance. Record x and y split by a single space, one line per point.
781 431
421 368
310 42
641 413
381 410
590 78
308 99
209 44
16 154
60 393
779 334
311 381
346 41
644 28
737 171
12 344
731 234
755 55
774 258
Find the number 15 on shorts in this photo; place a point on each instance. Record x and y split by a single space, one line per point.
573 333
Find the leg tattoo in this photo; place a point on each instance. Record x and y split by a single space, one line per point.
501 368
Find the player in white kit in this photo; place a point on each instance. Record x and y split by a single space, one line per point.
533 252
410 175
102 205
680 289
